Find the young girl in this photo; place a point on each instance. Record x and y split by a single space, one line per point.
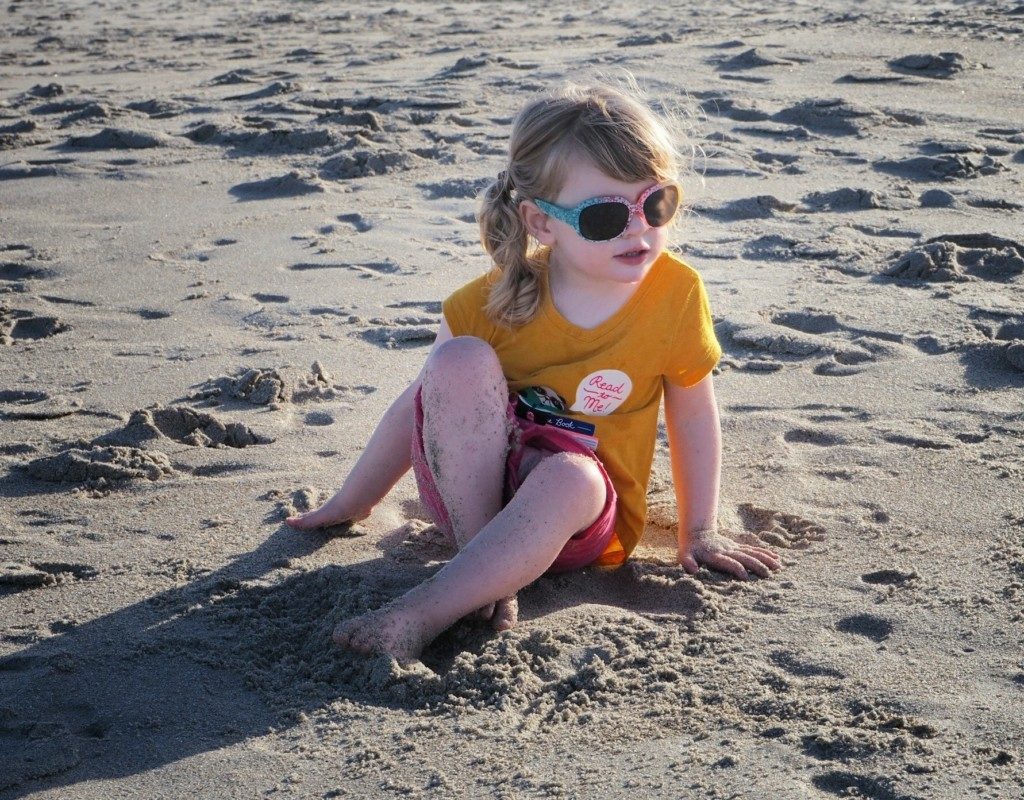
533 421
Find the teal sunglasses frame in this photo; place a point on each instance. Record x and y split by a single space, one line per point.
571 216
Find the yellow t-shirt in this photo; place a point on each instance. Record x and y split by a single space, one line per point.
611 375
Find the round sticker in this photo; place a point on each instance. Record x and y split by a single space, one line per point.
602 392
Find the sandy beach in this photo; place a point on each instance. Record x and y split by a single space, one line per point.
225 234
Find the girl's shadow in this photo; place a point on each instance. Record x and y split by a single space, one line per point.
244 650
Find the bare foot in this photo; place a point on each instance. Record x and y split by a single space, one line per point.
390 630
333 512
503 615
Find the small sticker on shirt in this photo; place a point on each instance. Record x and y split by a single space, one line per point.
602 392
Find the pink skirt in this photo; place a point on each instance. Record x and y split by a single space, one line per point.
584 547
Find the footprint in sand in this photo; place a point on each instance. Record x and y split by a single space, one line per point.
780 529
32 405
796 335
34 748
870 626
16 324
819 438
800 667
28 575
890 577
357 221
264 297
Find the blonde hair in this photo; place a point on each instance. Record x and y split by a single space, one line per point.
619 134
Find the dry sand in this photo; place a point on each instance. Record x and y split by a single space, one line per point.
225 233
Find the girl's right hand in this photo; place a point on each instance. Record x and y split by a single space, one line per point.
334 512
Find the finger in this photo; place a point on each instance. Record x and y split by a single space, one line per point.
762 557
689 564
485 613
724 563
766 557
765 554
752 564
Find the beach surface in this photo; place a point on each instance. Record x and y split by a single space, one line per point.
226 231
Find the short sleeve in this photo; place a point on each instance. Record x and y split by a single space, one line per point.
464 310
695 350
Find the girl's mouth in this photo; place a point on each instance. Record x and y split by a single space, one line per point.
634 255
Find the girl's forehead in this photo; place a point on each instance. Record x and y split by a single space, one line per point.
584 180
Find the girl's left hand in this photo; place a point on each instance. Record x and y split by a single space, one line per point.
714 550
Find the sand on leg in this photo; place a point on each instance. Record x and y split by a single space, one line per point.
564 494
465 431
465 438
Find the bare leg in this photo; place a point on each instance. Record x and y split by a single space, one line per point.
564 494
465 437
465 432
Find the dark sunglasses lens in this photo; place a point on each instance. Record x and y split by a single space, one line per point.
661 206
603 221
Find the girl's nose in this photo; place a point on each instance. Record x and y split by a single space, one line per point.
637 223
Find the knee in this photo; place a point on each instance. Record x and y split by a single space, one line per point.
578 480
463 360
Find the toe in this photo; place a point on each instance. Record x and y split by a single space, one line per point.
506 614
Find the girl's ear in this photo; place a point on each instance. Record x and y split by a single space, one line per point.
537 223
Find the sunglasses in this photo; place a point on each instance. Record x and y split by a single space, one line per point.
601 219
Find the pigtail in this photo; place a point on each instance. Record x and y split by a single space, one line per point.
515 296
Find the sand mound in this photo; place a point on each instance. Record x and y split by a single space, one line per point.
255 138
945 167
120 139
961 257
257 386
100 466
751 59
929 65
838 117
363 163
1015 354
763 206
846 199
183 425
292 184
605 659
271 388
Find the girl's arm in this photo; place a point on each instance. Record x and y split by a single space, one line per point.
695 446
385 459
